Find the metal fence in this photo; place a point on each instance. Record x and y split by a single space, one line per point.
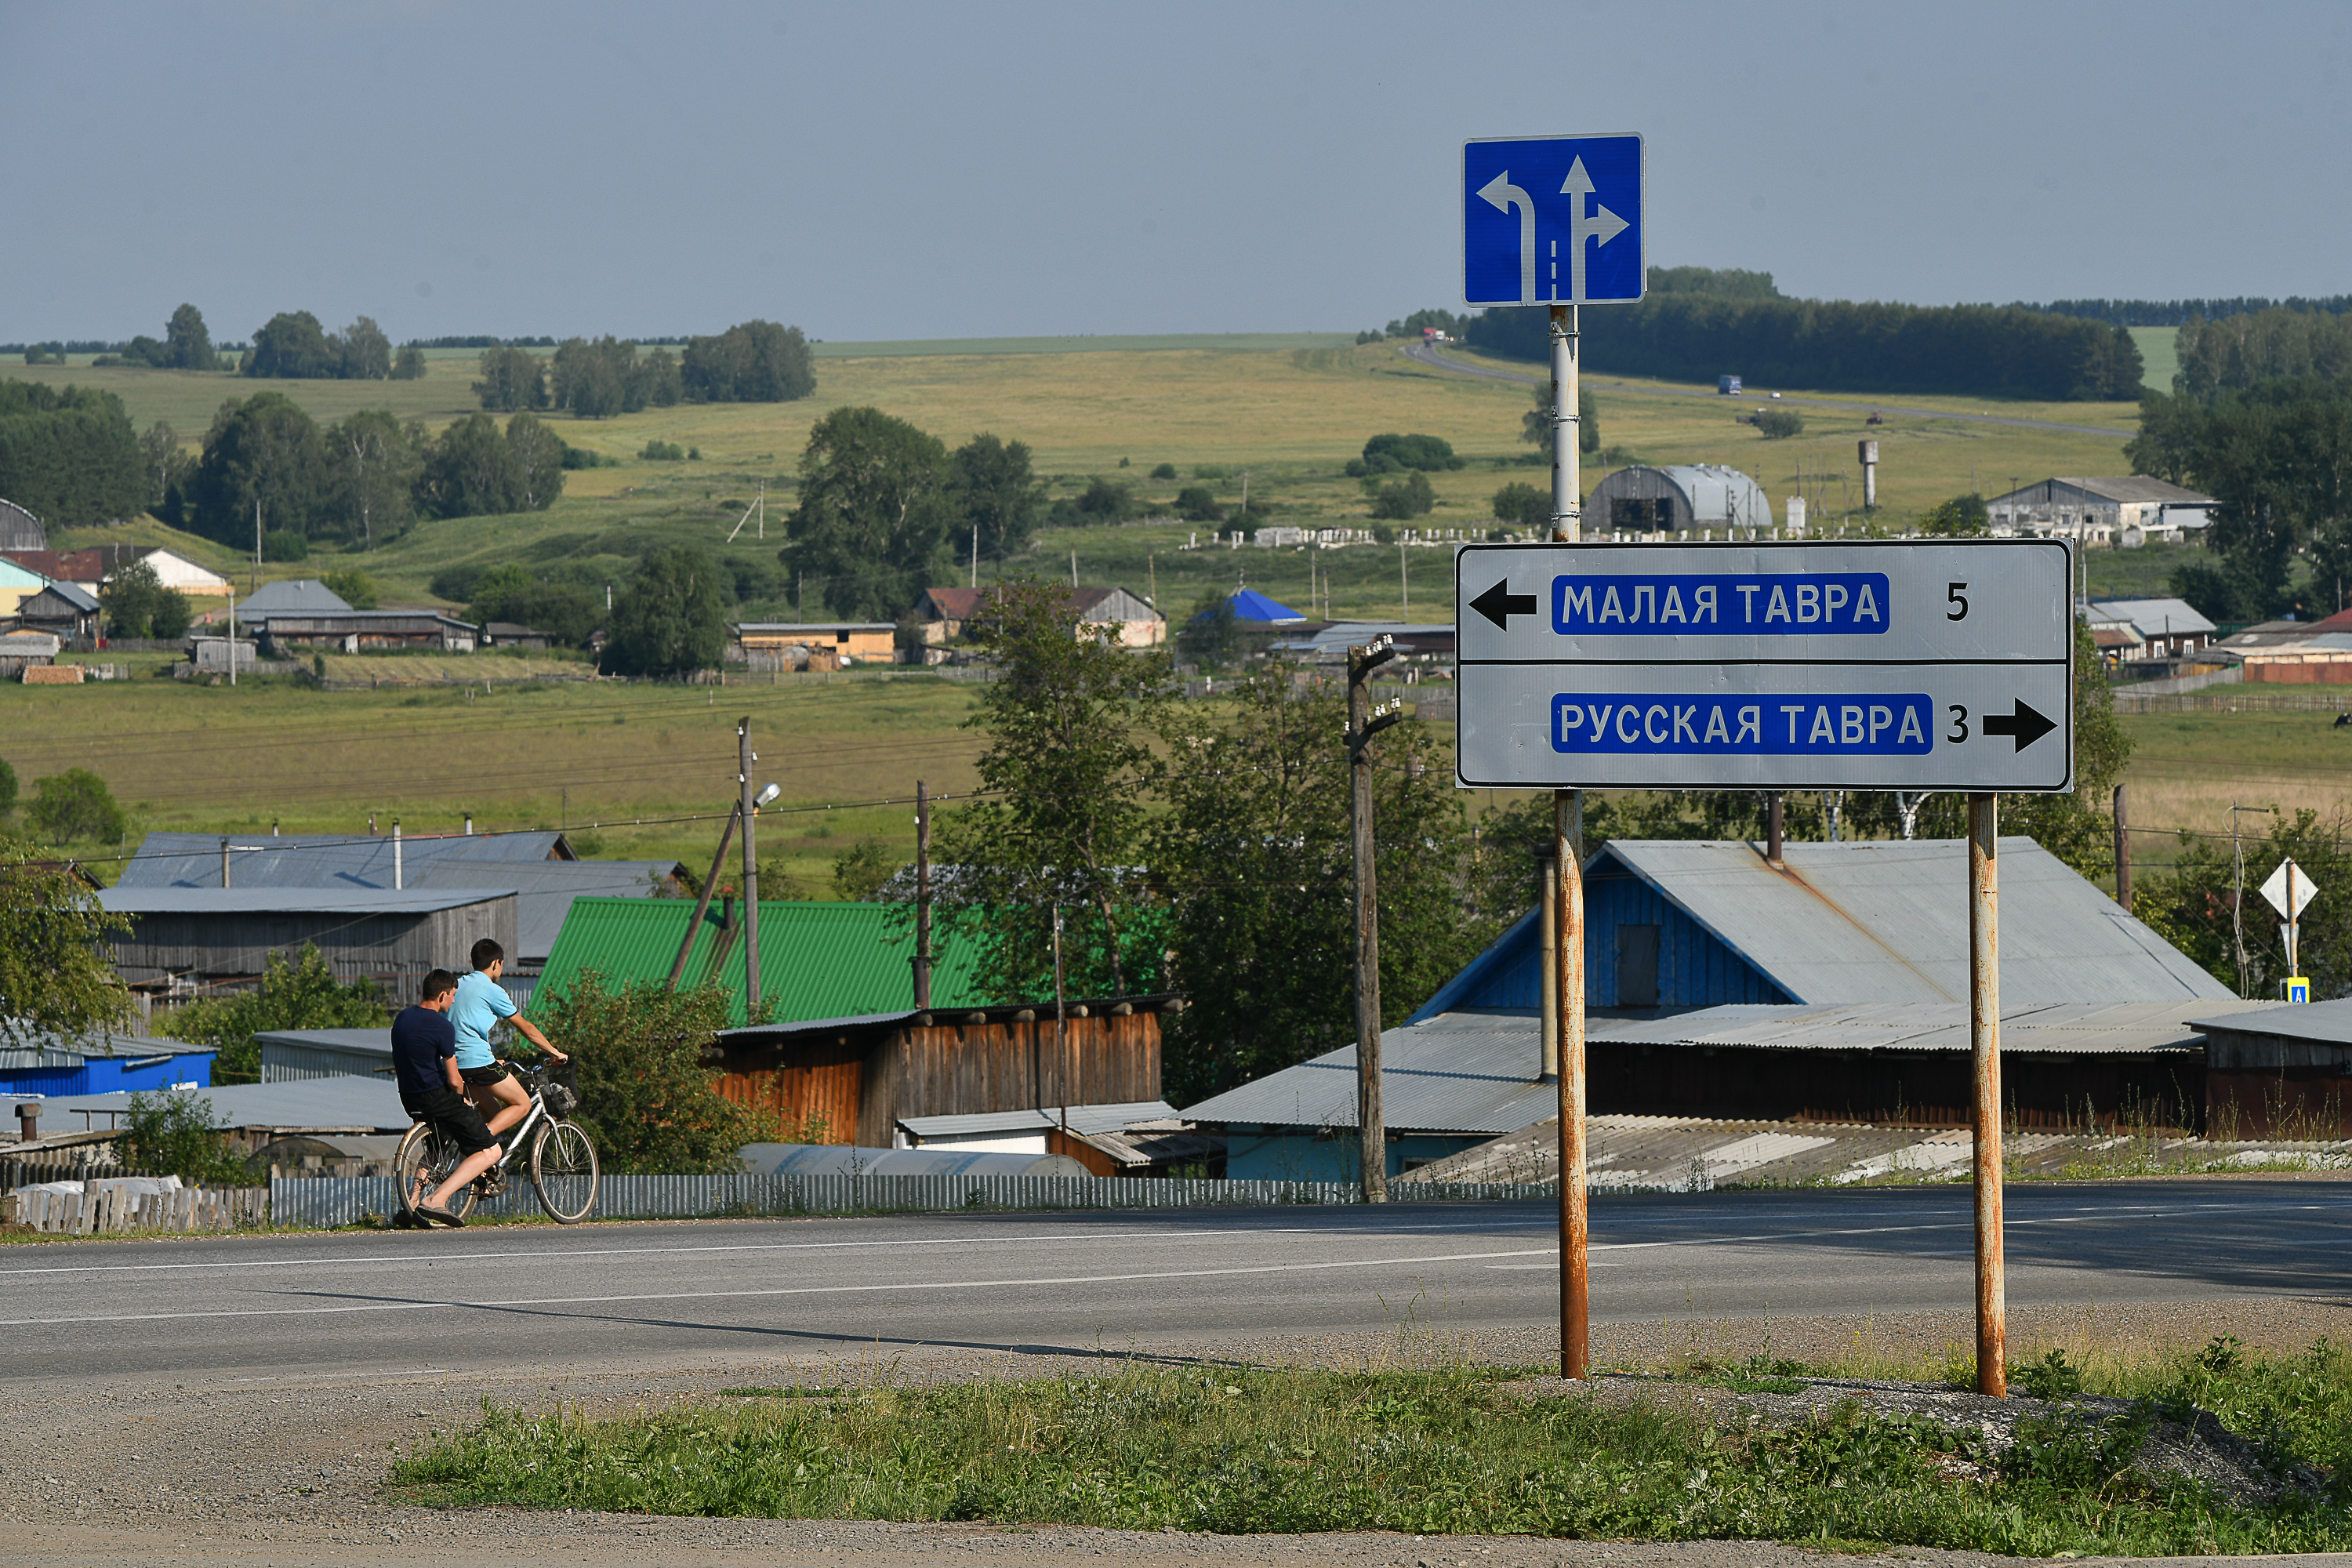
2258 697
326 1201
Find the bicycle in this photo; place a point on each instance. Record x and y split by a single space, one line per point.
563 1169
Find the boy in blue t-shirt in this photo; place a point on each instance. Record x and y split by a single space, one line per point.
480 1003
425 1065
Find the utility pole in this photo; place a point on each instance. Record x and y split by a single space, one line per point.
702 900
1404 578
1568 900
1363 723
2123 854
922 896
1061 1016
1984 1042
745 757
975 553
256 544
2238 886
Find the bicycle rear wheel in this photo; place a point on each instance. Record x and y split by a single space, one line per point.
424 1162
563 1172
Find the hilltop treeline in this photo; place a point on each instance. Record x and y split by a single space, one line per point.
751 361
2240 351
1837 345
361 479
69 455
2179 312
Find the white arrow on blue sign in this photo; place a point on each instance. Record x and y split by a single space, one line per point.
1887 665
1553 220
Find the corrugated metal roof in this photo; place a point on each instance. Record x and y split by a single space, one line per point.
816 961
2325 1022
2156 617
290 596
366 1102
1888 921
376 1042
1458 1072
2068 1028
55 1051
545 892
1083 1119
124 900
193 860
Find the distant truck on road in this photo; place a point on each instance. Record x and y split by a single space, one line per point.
1727 386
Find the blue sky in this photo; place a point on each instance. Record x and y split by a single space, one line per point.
912 171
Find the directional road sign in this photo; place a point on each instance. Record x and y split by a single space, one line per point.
1553 220
1888 664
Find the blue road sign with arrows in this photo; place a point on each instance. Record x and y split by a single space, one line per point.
1553 220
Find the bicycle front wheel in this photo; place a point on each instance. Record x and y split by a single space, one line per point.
424 1162
563 1173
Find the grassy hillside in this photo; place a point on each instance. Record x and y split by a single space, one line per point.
1288 417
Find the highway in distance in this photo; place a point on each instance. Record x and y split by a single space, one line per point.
218 1309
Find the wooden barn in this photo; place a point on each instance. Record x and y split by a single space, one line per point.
216 936
2280 1071
863 1075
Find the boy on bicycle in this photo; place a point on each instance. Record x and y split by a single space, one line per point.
480 1003
425 1065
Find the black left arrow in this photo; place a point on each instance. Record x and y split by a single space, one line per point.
2025 726
1498 604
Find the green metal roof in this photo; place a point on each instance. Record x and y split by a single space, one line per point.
816 961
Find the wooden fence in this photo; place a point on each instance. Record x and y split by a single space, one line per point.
98 1208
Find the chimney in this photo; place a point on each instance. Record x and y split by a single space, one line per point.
28 1120
1772 842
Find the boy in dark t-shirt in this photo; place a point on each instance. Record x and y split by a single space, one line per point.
425 1065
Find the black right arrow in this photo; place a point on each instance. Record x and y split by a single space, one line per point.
1498 604
2025 726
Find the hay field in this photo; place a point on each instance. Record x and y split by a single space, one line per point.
590 757
2188 768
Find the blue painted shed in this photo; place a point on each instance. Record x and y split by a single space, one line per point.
107 1064
1672 925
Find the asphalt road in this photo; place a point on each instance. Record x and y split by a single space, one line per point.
1428 355
490 1297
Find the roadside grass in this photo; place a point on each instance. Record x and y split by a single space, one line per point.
1438 1450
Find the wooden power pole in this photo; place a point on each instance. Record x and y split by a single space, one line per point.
1363 723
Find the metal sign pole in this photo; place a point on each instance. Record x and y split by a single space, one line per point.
1984 1040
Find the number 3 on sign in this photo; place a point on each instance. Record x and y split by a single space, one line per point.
1952 595
1959 724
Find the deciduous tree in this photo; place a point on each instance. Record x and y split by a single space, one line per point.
672 617
57 975
993 486
874 513
76 804
265 449
374 463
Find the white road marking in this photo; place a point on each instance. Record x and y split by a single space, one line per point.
1056 1280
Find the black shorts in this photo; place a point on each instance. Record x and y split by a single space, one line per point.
482 1078
453 1116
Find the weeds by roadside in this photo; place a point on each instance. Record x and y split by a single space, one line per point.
1442 1450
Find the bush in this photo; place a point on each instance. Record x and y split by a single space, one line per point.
1392 454
7 789
1411 496
1779 424
1165 471
76 804
1962 517
354 587
302 994
659 451
172 1133
859 872
645 1095
1523 504
285 545
1198 503
137 604
1106 500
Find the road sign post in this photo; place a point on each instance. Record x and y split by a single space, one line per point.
1560 188
1908 666
2289 889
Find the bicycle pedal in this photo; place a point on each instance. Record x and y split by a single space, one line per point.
491 1183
